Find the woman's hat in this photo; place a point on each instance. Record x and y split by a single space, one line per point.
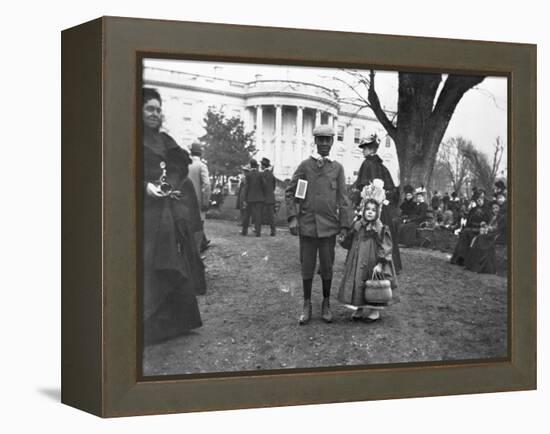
408 189
371 141
500 185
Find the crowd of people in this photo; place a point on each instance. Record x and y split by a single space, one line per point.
478 221
368 219
483 225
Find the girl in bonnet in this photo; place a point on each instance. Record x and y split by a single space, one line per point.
370 251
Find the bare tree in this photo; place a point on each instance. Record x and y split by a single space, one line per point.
498 152
480 167
425 105
451 157
485 170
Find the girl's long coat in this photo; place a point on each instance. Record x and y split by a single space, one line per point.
173 270
370 244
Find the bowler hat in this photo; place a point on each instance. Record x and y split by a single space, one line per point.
323 130
265 162
408 189
253 163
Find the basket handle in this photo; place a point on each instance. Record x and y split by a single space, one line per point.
377 276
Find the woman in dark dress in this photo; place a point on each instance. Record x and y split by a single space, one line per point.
407 228
413 214
173 269
502 221
482 257
373 168
478 216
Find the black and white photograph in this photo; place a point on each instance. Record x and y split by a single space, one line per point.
299 217
245 217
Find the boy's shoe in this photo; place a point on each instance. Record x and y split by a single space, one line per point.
326 314
305 317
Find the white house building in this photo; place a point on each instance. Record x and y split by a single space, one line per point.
282 113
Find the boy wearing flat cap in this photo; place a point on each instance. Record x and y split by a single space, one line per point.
318 216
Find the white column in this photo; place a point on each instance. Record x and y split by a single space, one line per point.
330 120
277 152
300 130
259 132
317 118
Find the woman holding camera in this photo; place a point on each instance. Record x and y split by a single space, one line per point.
173 272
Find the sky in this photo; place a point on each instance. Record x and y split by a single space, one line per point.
481 115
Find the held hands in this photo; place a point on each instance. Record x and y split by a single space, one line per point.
293 226
342 235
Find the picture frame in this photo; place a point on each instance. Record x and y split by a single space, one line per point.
100 223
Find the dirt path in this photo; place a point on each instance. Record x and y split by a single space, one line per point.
254 298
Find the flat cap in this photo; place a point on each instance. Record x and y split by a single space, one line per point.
323 130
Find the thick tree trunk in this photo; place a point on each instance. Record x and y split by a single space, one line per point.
414 169
421 119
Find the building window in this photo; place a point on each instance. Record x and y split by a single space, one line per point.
340 134
187 111
356 135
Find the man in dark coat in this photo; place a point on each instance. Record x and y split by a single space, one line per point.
317 214
373 168
269 203
240 194
254 198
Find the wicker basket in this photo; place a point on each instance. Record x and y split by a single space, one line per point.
378 290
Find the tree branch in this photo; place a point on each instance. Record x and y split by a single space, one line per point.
354 90
453 90
377 109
